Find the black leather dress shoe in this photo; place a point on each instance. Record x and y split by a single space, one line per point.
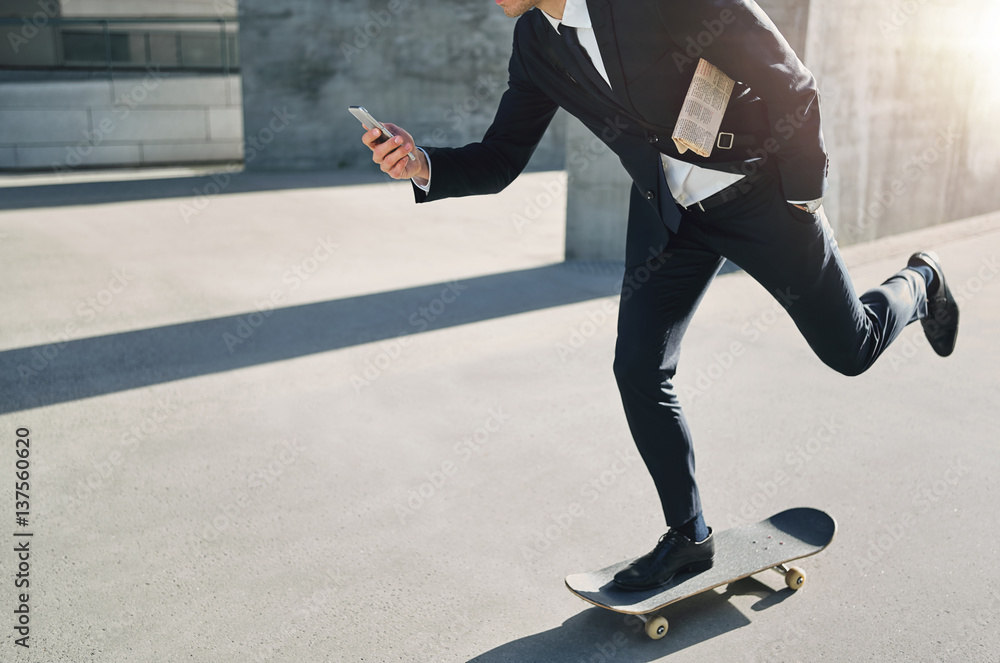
673 554
941 324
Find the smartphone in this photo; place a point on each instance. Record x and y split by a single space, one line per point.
369 121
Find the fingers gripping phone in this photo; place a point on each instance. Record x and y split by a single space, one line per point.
367 120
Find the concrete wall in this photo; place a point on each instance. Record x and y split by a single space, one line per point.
911 111
134 120
911 120
65 119
436 69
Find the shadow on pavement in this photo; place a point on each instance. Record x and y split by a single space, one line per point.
14 196
63 371
220 183
597 634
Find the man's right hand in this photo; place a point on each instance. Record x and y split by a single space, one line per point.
391 155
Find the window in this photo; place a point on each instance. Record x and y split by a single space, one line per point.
91 48
91 43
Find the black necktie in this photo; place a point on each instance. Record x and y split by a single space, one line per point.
584 61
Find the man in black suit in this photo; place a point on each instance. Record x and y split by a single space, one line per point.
623 69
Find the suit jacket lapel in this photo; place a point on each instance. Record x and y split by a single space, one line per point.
604 30
574 69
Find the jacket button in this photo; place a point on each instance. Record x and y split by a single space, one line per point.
650 195
654 139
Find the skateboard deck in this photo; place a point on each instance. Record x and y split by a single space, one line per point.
739 552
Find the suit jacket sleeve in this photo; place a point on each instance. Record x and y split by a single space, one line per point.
749 48
490 165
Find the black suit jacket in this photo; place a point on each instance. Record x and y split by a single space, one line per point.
650 49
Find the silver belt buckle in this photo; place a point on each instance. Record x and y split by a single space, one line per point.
729 145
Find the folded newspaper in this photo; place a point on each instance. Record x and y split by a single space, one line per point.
704 106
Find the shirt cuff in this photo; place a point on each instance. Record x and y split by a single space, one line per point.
426 187
804 202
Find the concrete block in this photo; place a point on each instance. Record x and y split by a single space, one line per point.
597 203
170 8
8 157
56 94
178 153
62 157
145 125
225 124
235 86
43 126
152 90
21 47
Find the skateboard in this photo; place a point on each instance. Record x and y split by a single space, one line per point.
739 552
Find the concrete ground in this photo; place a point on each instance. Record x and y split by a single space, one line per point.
281 420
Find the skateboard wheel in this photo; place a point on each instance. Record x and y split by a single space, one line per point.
657 627
795 577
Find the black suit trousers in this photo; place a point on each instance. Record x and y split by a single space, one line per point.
790 252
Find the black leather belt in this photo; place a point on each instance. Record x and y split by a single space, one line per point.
731 192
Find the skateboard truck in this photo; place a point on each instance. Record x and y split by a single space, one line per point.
794 576
656 625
